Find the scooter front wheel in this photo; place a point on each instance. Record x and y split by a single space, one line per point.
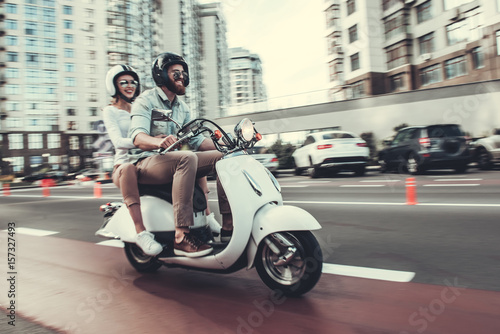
300 273
141 262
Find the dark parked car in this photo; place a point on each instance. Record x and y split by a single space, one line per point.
419 148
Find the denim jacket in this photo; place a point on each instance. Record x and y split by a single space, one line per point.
141 120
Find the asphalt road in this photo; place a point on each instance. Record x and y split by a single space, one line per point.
449 239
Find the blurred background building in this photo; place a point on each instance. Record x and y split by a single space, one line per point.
378 47
54 57
247 85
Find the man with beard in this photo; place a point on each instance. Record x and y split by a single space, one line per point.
180 168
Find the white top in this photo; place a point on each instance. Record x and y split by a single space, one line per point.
117 123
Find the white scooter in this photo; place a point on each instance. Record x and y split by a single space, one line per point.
273 237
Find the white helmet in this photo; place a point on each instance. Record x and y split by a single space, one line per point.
114 73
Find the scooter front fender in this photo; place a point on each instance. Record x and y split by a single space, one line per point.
272 218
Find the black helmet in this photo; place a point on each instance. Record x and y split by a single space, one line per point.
114 73
161 65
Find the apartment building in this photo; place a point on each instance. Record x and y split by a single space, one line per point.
386 46
54 61
245 70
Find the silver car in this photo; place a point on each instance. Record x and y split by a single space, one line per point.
269 160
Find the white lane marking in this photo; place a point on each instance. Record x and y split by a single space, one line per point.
312 182
112 243
361 185
381 181
294 186
371 273
438 180
33 231
66 197
388 203
452 185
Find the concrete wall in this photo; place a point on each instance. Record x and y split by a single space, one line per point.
474 106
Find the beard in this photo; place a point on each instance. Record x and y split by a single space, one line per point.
175 88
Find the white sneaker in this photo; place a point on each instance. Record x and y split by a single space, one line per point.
146 241
214 224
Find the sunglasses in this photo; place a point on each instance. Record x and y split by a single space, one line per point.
125 83
177 75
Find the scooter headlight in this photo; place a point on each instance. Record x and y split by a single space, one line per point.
245 130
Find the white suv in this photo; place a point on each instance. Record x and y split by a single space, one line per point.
486 151
334 150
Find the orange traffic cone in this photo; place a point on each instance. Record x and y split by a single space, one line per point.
97 190
6 189
45 188
411 191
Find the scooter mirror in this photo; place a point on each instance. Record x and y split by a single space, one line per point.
161 115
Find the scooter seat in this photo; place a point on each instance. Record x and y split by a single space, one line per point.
164 191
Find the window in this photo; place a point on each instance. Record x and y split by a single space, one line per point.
53 140
49 3
91 55
332 16
14 122
67 10
358 89
70 82
11 40
455 67
74 142
72 125
91 83
92 111
386 4
12 56
397 55
11 8
424 12
11 73
49 14
396 82
12 89
456 32
68 24
426 43
13 106
69 53
35 141
336 70
70 96
69 67
498 42
353 33
31 28
11 24
49 30
30 12
50 46
89 13
430 75
449 4
88 141
90 69
32 59
92 97
395 25
477 58
351 7
16 141
71 112
68 38
50 61
90 40
355 62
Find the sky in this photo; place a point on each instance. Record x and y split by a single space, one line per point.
288 36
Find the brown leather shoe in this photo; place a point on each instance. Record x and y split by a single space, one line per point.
190 246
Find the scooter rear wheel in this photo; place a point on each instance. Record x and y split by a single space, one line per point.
141 262
298 276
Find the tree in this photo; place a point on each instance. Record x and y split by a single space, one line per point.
284 153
